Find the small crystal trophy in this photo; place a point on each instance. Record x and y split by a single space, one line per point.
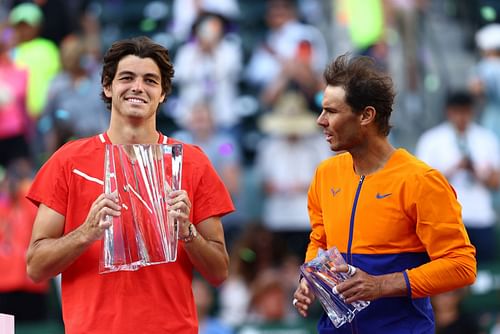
323 279
141 177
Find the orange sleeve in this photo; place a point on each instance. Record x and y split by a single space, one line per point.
442 232
317 236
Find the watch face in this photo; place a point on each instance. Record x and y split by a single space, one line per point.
193 233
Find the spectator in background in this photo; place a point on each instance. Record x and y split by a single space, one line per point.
450 316
90 31
221 148
270 310
15 124
19 295
62 18
268 302
365 21
38 55
485 81
204 300
84 16
74 108
57 19
224 153
469 156
292 55
286 160
4 10
186 12
254 251
208 68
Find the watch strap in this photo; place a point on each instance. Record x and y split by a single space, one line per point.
193 233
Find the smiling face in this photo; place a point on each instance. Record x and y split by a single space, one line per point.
136 90
341 126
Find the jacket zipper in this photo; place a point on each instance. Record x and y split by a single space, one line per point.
354 327
351 223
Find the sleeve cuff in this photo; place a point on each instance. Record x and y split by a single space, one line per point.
407 280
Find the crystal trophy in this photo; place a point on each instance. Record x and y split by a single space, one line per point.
322 278
141 177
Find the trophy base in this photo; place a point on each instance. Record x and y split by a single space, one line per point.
129 266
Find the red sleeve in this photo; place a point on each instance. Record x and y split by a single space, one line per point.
50 186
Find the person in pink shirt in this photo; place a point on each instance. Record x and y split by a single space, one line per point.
14 120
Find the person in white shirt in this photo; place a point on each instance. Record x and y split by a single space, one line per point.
286 161
208 68
292 56
468 155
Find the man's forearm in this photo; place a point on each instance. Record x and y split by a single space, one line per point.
363 286
393 285
50 256
210 258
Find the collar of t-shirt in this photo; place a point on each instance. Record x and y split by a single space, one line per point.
103 137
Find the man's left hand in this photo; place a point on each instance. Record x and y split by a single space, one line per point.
179 208
363 286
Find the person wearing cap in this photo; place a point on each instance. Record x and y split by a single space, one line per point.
396 220
285 162
485 79
38 55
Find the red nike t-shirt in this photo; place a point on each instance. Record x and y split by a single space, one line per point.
154 299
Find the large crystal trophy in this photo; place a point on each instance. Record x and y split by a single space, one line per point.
322 278
141 177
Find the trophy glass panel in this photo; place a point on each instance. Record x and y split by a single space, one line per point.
321 276
141 176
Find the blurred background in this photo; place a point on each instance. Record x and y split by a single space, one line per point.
247 89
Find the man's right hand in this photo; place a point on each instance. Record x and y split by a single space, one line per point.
303 297
97 222
51 251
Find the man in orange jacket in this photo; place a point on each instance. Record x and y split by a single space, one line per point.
393 217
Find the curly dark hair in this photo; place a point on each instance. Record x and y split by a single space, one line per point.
142 47
365 85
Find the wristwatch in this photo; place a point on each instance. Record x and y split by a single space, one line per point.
193 234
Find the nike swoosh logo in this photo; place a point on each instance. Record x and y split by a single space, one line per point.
380 196
334 191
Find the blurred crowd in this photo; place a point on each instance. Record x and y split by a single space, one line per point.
247 90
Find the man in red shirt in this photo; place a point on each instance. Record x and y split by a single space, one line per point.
136 78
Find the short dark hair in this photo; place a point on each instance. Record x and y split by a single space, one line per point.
459 98
291 4
142 47
365 85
